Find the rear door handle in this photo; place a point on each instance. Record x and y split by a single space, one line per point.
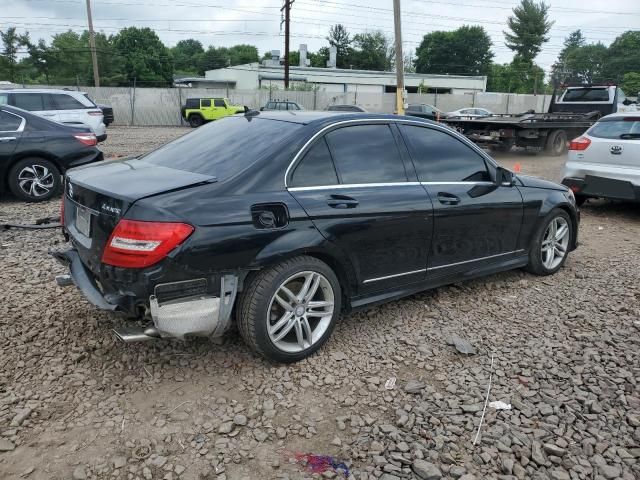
7 139
448 199
342 201
48 114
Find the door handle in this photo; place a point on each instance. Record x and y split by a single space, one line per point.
448 198
48 114
7 139
342 201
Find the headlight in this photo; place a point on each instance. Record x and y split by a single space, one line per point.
570 196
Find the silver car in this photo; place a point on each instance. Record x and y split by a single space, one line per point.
605 161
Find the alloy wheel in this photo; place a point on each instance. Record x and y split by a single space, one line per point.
555 243
300 311
36 180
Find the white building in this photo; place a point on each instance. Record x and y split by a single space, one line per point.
271 74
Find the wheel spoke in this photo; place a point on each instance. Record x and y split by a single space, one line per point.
299 335
561 248
312 289
305 286
307 330
284 331
283 303
561 232
288 292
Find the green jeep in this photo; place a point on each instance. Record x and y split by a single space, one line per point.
197 111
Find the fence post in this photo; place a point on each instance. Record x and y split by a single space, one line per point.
315 96
435 100
473 99
132 96
508 98
179 107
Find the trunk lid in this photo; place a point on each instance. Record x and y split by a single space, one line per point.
97 196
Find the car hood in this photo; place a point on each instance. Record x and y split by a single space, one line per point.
535 182
133 179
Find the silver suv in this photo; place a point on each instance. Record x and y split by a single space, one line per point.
62 106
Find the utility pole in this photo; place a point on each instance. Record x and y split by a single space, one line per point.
399 58
92 47
287 19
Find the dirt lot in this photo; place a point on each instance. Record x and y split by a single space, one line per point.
74 403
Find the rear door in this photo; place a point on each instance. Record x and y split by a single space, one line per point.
206 108
475 221
72 111
11 126
354 185
38 103
219 108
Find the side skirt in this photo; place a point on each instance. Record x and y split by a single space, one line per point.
362 302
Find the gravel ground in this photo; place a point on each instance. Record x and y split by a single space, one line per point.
74 403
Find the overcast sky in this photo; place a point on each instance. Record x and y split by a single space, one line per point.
228 22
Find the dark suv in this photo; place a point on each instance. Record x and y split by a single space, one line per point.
294 218
281 105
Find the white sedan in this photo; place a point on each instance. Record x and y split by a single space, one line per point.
605 161
469 113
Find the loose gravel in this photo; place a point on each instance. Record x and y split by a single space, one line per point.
74 403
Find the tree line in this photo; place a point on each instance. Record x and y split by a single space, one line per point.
138 54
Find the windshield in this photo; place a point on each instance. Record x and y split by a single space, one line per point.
625 128
586 95
224 147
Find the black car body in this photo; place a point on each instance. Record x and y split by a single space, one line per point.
281 105
357 208
35 152
107 111
423 110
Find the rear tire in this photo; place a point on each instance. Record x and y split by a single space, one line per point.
280 326
34 179
196 120
551 243
556 144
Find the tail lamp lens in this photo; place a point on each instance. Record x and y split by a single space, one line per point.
138 244
95 113
579 144
88 139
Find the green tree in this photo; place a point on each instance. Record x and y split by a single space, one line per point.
465 51
631 84
241 54
70 59
320 58
11 44
340 38
559 70
519 76
624 55
144 57
41 59
371 52
529 26
187 56
294 58
586 64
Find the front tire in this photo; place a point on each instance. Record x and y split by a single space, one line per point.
34 179
551 243
288 311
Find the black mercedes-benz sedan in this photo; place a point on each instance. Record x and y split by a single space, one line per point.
35 152
284 220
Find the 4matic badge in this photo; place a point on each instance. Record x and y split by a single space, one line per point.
110 209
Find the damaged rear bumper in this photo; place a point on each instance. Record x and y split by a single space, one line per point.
194 315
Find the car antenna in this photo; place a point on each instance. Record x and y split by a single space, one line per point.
248 112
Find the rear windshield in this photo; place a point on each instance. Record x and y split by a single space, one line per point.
586 95
618 128
223 148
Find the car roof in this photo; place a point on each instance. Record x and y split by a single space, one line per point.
306 117
622 114
39 90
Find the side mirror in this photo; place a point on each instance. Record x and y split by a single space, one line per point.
261 109
505 177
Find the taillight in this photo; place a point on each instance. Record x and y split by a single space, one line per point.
580 143
138 244
95 113
88 139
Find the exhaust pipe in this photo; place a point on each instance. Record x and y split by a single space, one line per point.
135 334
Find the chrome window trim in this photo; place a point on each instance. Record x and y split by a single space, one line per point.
20 129
352 185
480 182
474 260
365 121
394 276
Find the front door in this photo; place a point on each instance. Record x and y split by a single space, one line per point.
11 126
354 186
476 222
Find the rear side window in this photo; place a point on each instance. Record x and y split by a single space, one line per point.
218 102
32 102
205 103
282 106
9 122
4 98
617 128
366 154
225 147
66 102
193 102
439 157
271 105
316 168
586 95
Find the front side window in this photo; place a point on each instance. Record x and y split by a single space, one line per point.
218 102
440 157
205 103
66 102
366 154
316 168
32 102
9 122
